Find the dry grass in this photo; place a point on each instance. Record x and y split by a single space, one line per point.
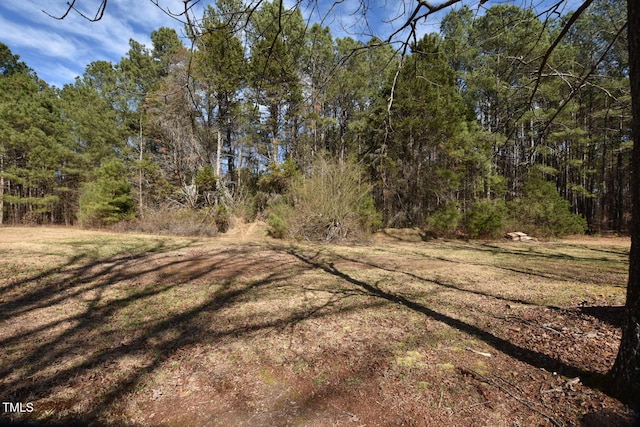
119 329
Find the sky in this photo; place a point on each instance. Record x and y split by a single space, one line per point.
60 50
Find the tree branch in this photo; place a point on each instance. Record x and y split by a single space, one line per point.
71 6
581 84
555 43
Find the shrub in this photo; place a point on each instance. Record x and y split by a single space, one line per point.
206 179
206 185
485 218
221 218
277 220
542 211
279 178
370 218
273 185
445 220
333 202
178 222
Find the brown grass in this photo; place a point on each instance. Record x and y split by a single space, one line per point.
124 329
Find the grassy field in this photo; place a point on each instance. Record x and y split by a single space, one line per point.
141 330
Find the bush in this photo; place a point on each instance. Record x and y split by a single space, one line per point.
332 203
445 220
206 186
221 218
273 185
542 211
178 222
485 218
370 218
279 178
277 220
206 180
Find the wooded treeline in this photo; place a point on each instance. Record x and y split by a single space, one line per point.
475 129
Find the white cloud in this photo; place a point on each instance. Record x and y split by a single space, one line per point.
58 75
66 46
61 46
37 39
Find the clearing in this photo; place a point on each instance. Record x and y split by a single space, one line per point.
141 330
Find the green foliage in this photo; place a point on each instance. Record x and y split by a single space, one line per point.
370 218
278 178
38 169
108 199
155 186
220 60
206 179
221 69
456 122
277 46
485 218
542 211
277 220
166 46
89 104
221 218
422 153
10 63
446 219
271 186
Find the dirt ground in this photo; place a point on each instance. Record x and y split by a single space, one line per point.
108 329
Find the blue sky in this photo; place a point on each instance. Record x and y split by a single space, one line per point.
60 50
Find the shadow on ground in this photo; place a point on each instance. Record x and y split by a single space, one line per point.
612 315
111 322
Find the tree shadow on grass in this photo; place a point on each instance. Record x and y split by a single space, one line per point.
441 283
547 258
526 355
70 327
610 255
35 292
89 342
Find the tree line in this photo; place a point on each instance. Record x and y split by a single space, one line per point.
490 123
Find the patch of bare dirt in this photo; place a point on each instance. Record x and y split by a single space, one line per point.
248 231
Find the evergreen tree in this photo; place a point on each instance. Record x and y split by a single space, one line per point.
419 161
221 71
35 159
277 40
107 198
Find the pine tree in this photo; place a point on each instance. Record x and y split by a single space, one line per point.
416 145
35 159
221 71
277 42
107 199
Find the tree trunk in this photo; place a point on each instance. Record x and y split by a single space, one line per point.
1 187
230 151
140 174
626 370
219 154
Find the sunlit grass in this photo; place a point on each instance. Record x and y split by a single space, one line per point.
95 322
